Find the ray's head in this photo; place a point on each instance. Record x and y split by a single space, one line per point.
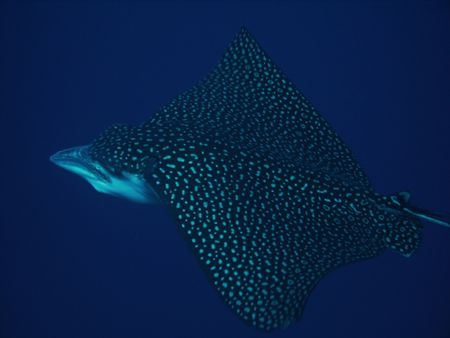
115 163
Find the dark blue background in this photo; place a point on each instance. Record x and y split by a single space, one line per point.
76 263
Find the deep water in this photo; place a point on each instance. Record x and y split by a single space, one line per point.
76 263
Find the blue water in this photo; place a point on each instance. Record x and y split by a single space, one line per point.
76 263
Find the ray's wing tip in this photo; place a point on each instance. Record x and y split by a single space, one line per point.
244 32
243 29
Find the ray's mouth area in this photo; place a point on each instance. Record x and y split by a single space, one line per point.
79 161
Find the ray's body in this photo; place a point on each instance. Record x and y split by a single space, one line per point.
266 194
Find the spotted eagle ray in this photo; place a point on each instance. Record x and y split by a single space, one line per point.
267 195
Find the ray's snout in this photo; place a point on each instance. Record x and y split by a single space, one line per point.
70 155
79 161
76 160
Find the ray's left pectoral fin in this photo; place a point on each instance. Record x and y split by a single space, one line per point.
223 209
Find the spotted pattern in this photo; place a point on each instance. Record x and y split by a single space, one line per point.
263 190
121 148
265 232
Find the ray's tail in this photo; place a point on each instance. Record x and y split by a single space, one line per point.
402 200
430 216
